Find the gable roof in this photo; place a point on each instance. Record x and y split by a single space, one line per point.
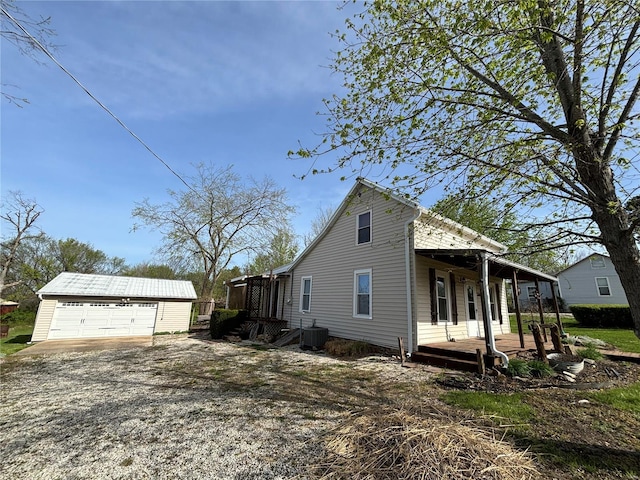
583 260
89 285
443 221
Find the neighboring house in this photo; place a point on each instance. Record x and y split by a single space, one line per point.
528 296
76 305
384 268
592 280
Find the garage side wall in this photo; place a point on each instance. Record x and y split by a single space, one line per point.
173 316
43 319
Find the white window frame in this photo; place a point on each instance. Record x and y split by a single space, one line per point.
356 274
608 286
598 260
447 297
302 294
494 303
358 228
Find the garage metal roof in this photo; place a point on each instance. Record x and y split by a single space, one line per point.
88 285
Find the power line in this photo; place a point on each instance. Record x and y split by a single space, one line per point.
86 90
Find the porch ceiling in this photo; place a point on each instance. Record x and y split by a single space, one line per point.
498 265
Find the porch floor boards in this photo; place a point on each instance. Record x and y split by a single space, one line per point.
461 354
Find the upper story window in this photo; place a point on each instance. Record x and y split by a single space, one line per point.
602 283
364 228
597 262
305 294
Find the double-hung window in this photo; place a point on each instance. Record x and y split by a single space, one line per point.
364 228
362 293
602 283
305 294
443 299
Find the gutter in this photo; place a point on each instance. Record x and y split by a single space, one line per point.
408 277
489 338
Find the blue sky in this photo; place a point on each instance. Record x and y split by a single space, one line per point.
223 82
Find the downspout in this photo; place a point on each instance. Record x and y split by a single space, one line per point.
484 281
408 277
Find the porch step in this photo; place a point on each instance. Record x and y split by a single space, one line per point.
445 361
447 352
287 338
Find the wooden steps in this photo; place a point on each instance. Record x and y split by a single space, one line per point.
449 358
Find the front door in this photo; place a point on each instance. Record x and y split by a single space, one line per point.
474 327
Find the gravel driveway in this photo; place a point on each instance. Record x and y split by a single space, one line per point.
183 408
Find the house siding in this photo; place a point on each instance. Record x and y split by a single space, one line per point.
430 232
44 318
332 263
173 316
578 285
429 333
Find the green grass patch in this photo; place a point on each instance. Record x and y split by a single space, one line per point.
620 338
623 398
504 406
17 339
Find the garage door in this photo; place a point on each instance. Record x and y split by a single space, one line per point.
78 319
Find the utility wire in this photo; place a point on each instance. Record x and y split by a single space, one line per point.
122 124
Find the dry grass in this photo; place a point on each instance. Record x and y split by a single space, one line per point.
393 444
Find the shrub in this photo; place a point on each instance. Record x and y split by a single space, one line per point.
223 321
19 317
340 347
603 316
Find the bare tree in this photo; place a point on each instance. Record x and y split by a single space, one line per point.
227 217
27 34
20 214
320 221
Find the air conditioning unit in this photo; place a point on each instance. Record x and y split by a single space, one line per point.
314 337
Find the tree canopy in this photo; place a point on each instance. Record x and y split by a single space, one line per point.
225 217
534 102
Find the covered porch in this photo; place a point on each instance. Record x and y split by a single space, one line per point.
486 347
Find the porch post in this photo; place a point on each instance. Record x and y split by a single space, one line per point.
516 301
540 310
557 308
484 303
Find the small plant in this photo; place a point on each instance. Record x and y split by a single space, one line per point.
590 351
518 368
539 369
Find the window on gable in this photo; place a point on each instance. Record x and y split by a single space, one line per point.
597 262
305 295
362 294
603 286
364 228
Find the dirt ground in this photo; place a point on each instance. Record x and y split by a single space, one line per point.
189 407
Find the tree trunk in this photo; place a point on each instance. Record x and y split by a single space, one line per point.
613 222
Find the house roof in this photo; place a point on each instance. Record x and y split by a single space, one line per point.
89 285
425 213
582 260
498 266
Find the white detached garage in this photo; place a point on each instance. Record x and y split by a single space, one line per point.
77 305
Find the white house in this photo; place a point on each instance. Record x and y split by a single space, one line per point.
75 305
592 280
384 268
